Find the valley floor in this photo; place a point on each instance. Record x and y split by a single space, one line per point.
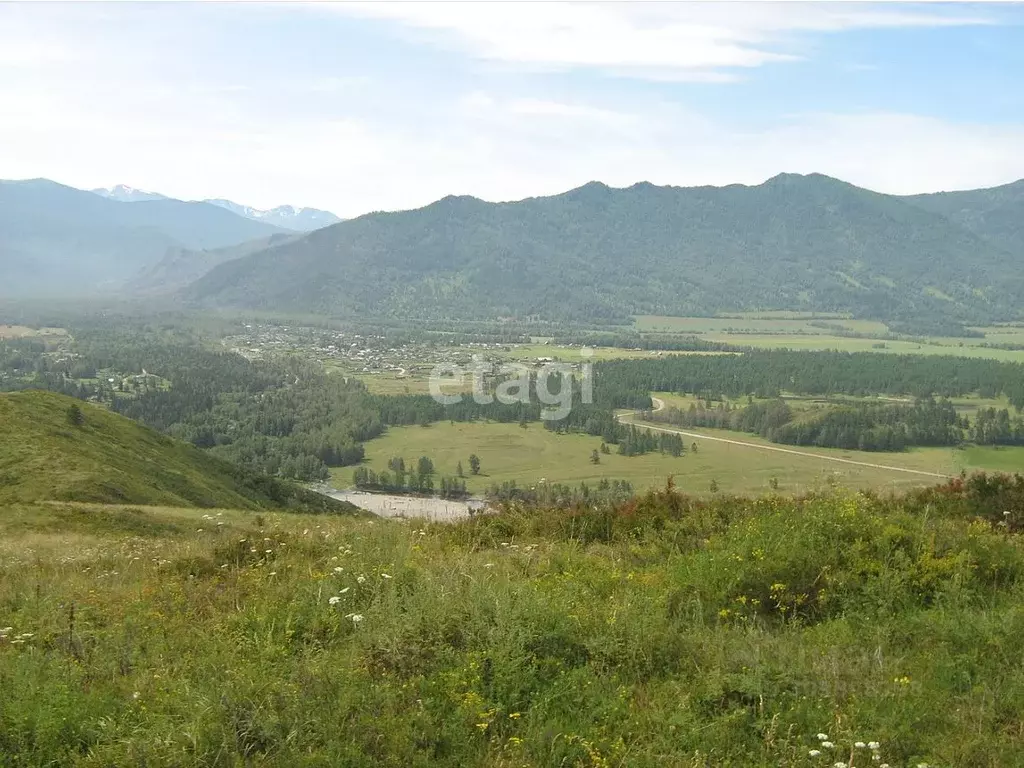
736 462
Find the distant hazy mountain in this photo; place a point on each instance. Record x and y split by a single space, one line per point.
794 242
285 216
55 240
125 194
181 266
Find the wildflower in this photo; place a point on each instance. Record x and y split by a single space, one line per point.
827 744
360 579
822 737
356 617
839 765
814 752
268 551
339 570
873 745
136 695
860 745
334 600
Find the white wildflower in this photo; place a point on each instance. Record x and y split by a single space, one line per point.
814 752
827 744
822 736
334 600
339 570
360 579
356 617
873 745
859 745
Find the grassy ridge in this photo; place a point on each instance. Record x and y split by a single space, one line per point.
667 631
107 458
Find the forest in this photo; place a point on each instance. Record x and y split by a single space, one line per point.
853 427
285 415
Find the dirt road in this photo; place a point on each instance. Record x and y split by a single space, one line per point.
626 418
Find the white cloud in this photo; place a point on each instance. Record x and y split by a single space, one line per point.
680 41
76 112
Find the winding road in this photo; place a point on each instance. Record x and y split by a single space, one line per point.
660 404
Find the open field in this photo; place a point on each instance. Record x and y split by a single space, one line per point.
803 331
509 452
741 325
23 332
809 343
964 405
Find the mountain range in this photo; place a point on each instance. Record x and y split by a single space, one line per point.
284 216
602 254
596 253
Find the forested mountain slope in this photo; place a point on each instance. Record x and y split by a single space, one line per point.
996 214
801 242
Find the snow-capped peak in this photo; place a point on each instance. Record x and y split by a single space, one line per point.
287 216
125 194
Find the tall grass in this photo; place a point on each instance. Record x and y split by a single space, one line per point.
667 631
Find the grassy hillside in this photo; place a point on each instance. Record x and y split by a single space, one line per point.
106 458
664 632
797 242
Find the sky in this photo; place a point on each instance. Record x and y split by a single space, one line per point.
357 107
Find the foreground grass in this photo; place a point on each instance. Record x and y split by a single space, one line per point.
664 632
511 452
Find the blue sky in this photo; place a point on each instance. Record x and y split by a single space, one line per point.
360 106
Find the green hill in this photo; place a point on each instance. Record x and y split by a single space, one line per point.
105 458
794 242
